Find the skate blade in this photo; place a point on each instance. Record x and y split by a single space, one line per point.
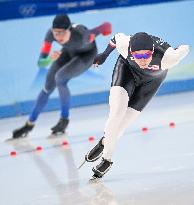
17 138
82 164
11 139
57 135
15 141
95 179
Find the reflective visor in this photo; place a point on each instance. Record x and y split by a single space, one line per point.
142 55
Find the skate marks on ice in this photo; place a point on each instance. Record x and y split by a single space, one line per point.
60 181
24 142
76 138
77 193
165 177
77 196
50 136
124 189
64 182
48 142
11 139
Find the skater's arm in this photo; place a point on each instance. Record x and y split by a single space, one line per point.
160 45
87 38
101 57
172 57
89 35
44 58
105 29
44 61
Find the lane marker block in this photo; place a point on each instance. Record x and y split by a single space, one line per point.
144 129
91 139
65 143
171 124
13 153
39 148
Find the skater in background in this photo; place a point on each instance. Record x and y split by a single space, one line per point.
76 56
140 69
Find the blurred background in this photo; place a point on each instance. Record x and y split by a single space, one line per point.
23 25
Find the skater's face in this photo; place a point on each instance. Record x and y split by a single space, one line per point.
61 35
142 57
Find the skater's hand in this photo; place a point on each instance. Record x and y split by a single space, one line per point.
99 59
55 55
106 28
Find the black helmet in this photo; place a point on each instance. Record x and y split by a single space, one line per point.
141 41
61 21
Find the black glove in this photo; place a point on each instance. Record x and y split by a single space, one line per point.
100 59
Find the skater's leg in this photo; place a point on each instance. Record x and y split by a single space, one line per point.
122 89
63 122
29 125
138 101
96 152
71 69
115 128
40 103
75 67
123 86
118 102
45 93
64 94
109 146
130 116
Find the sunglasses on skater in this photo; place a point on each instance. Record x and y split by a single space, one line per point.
59 33
142 55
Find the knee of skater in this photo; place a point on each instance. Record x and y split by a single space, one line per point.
118 109
60 80
117 113
48 90
131 112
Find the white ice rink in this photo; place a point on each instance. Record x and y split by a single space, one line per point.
153 168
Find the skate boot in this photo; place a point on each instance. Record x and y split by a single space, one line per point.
95 153
101 169
22 131
60 127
